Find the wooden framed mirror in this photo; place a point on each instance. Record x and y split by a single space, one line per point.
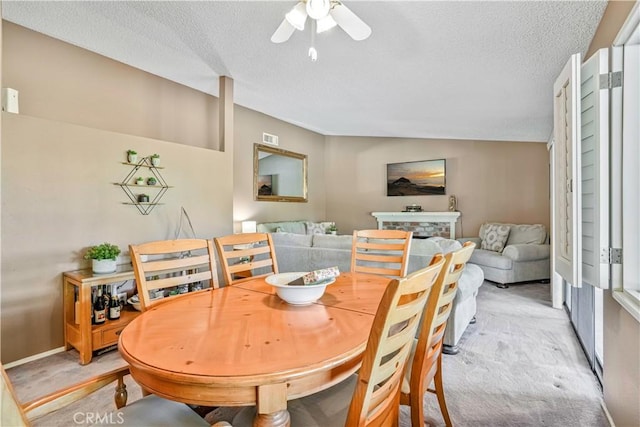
279 175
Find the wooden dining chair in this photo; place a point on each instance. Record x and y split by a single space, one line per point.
370 397
426 363
180 263
245 256
149 411
383 252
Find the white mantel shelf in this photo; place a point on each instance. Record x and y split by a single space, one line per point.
450 217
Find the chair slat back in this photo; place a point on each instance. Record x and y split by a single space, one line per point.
434 321
376 396
16 414
168 263
241 255
381 252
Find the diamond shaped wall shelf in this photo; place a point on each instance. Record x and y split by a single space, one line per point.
128 185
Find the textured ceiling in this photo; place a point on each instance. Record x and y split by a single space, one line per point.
462 70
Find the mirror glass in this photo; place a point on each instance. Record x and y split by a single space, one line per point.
279 175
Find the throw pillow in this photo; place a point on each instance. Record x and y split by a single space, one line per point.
495 236
317 227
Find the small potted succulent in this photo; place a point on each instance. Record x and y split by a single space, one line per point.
103 257
332 229
151 181
132 156
143 198
139 181
155 159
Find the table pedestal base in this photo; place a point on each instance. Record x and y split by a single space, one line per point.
279 419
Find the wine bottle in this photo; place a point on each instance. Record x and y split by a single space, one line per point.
114 308
99 312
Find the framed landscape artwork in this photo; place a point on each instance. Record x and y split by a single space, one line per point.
422 178
265 186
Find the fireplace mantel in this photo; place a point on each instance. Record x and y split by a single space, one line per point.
415 221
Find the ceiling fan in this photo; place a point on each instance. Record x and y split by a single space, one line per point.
325 14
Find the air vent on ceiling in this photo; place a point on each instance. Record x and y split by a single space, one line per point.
267 138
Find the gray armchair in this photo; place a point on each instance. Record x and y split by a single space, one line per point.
524 257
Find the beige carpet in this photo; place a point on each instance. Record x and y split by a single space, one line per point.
519 365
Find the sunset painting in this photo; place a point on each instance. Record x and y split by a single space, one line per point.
421 178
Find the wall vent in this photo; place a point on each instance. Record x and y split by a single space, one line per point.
267 138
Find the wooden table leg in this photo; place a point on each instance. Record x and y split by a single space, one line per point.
272 406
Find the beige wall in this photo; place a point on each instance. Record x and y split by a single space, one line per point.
79 113
621 371
493 181
131 101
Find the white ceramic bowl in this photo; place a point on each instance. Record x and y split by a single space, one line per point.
135 301
297 295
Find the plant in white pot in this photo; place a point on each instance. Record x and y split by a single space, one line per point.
155 159
132 156
103 257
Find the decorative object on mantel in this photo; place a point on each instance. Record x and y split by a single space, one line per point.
421 178
412 208
132 156
103 257
155 159
453 203
423 224
143 202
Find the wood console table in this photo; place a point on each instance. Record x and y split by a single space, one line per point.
80 333
418 222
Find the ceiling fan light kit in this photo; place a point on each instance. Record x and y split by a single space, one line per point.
297 16
325 14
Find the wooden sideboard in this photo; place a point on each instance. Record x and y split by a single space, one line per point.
78 330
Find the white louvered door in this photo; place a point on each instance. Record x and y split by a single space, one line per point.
594 165
566 91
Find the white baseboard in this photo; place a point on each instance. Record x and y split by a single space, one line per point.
608 415
34 357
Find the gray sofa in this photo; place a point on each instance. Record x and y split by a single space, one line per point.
307 252
524 258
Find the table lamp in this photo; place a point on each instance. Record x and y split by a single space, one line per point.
249 226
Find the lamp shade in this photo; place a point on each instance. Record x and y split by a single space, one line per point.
249 226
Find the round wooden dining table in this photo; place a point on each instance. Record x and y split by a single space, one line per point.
242 345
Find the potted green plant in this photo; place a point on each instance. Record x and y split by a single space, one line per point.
103 257
151 181
155 159
132 156
332 229
139 181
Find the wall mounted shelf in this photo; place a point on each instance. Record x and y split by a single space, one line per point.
127 185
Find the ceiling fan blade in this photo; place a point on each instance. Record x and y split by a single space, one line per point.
283 32
350 23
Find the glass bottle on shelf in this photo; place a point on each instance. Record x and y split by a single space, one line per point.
114 307
99 312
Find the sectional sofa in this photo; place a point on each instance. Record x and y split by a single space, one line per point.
307 252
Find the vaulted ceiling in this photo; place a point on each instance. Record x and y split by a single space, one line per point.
461 70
